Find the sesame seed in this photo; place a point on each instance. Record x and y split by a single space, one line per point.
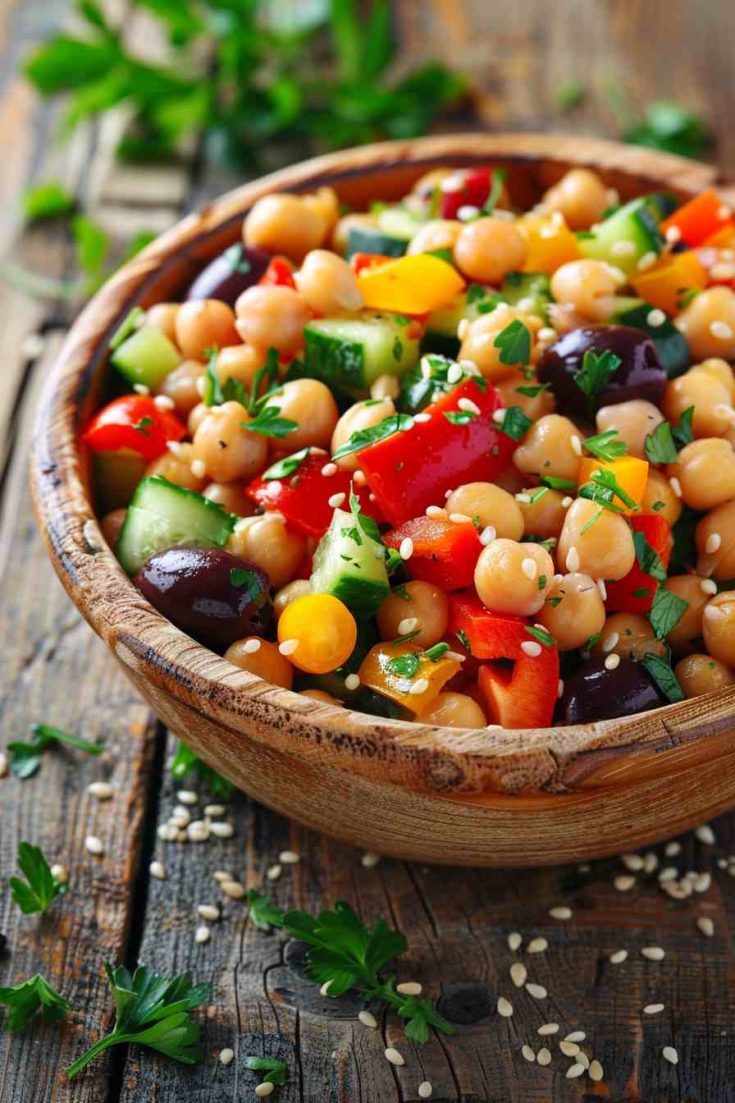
221 875
454 373
163 402
529 1054
409 988
653 1008
575 1036
548 1028
673 235
251 646
514 940
367 1019
455 656
198 469
672 849
487 535
265 1089
529 568
722 271
407 625
274 872
668 873
612 662
435 512
705 834
600 584
329 469
468 406
459 518
624 883
573 560
537 945
655 317
560 688
94 845
518 974
560 912
531 648
222 830
705 925
650 862
324 990
608 644
505 1008
575 1070
187 796
596 1071
569 1049
59 873
721 330
393 1056
369 860
544 1056
464 325
214 809
358 478
336 500
101 790
653 953
646 261
669 1054
419 686
406 548
702 882
209 911
233 889
425 1089
714 540
288 647
537 991
352 681
167 832
576 444
226 1056
724 212
467 211
202 934
708 586
174 447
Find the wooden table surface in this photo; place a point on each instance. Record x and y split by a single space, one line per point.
457 921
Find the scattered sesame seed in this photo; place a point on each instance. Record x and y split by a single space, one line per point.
514 940
367 1019
531 648
505 1007
101 790
274 872
198 469
566 501
668 873
518 974
537 945
569 1049
288 647
708 586
167 832
724 212
646 261
468 406
221 875
672 849
454 373
419 686
537 991
573 560
251 646
544 1056
669 1054
653 953
94 845
467 211
528 1053
369 860
529 568
673 235
425 1089
209 911
575 1036
705 925
675 486
329 469
655 317
721 330
59 873
393 1056
174 447
575 1070
409 988
163 402
722 271
158 870
714 541
336 500
358 478
612 662
576 444
187 796
653 1008
198 831
222 830
487 535
596 1071
702 882
233 889
705 834
622 248
352 681
202 934
607 645
407 625
560 912
265 1089
406 548
435 512
226 1056
214 809
548 1028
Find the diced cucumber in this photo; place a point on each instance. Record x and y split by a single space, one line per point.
532 289
625 237
670 343
146 357
366 239
441 325
350 565
399 222
350 353
163 516
116 475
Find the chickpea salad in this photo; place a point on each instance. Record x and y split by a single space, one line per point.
444 460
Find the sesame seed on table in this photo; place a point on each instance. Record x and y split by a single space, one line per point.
617 973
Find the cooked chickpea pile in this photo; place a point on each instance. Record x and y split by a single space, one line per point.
443 460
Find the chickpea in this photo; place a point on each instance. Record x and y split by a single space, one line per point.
708 323
196 417
722 371
488 248
111 525
511 390
385 386
363 415
454 710
311 405
628 635
513 578
552 446
285 224
288 593
719 562
589 286
163 316
688 588
266 662
419 602
564 318
581 196
699 674
321 695
325 204
478 341
272 317
718 627
491 505
266 541
349 222
239 362
231 496
227 450
181 386
659 497
327 283
604 550
573 611
440 233
633 421
204 324
710 397
706 472
176 467
544 514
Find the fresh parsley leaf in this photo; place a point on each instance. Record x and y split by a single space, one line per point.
25 758
642 591
237 259
648 558
684 431
47 200
185 762
40 887
606 446
212 394
30 996
242 578
666 612
664 677
596 371
275 1071
143 425
263 912
659 445
532 391
268 424
283 469
367 525
266 380
404 666
667 125
363 438
545 638
514 343
460 417
392 562
553 482
514 424
91 246
127 326
604 488
152 1011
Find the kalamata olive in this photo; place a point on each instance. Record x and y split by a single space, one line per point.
595 693
212 595
229 274
640 375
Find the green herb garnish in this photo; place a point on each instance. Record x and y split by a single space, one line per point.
666 612
460 417
30 996
363 438
668 126
275 1071
47 200
283 469
25 758
555 483
603 488
532 391
186 762
592 521
596 371
541 635
463 639
648 558
268 424
263 912
40 888
242 578
404 666
127 326
514 343
514 424
606 446
664 677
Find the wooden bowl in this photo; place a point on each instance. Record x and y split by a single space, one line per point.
493 798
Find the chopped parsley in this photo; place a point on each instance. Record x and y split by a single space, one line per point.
592 521
267 423
25 758
274 1071
30 996
606 446
664 677
555 483
460 417
648 558
532 391
541 635
514 343
666 612
663 443
143 425
283 469
463 639
515 424
596 372
604 488
242 578
363 438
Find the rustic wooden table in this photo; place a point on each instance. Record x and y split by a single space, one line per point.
457 921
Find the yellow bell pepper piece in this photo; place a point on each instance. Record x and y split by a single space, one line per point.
666 282
410 285
418 685
630 474
549 243
722 239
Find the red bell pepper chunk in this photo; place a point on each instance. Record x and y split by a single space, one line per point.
279 273
699 219
468 188
303 498
412 469
360 261
521 695
444 553
134 422
634 593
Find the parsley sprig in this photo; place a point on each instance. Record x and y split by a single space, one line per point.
603 488
663 444
32 995
152 1011
606 446
666 612
514 343
664 677
363 438
25 758
40 888
596 372
275 1071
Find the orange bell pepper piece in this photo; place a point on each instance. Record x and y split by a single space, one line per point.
549 243
698 219
667 281
410 285
630 474
381 670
